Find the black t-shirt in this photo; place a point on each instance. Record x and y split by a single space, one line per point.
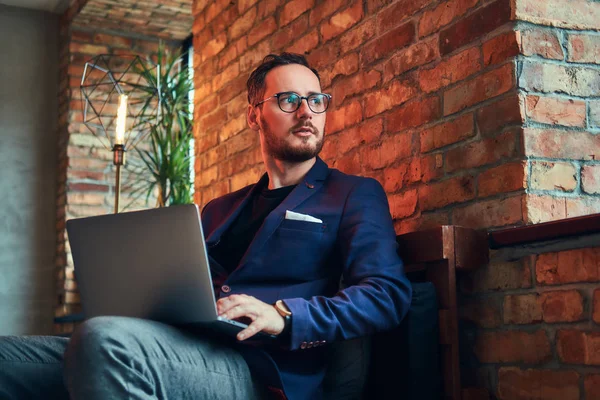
235 241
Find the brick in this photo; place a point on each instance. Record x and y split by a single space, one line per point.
214 9
554 143
584 48
575 14
596 307
545 208
446 133
556 111
365 133
513 346
324 55
206 106
356 84
474 26
232 127
562 306
243 24
227 56
393 148
541 42
293 10
350 163
451 70
243 5
413 114
397 13
532 384
522 309
499 114
213 47
423 221
484 314
580 265
347 65
88 187
578 347
343 117
358 35
432 167
232 88
476 154
490 213
206 141
504 46
388 43
262 30
342 21
592 386
549 78
553 176
212 120
440 194
286 35
374 5
225 19
594 113
324 10
112 40
384 99
590 179
252 57
416 55
405 173
583 205
443 14
89 49
404 204
266 8
305 44
505 178
480 88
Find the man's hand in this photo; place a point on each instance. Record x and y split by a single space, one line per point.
264 316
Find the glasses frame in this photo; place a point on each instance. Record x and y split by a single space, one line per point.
277 95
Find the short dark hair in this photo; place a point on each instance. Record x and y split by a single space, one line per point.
256 81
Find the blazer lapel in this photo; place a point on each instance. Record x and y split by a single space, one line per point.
313 181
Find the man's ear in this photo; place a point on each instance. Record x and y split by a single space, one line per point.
252 118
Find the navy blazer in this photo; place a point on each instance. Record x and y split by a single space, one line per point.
301 262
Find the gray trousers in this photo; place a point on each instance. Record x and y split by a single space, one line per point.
123 358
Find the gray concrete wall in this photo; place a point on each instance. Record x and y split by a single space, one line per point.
28 120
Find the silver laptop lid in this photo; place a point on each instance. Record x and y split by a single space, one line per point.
148 264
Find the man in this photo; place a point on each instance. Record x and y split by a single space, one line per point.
278 250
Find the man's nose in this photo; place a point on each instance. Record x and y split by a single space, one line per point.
304 110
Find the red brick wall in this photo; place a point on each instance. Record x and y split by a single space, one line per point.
417 89
559 79
86 175
533 326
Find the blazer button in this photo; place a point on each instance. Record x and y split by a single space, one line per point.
225 289
303 345
310 344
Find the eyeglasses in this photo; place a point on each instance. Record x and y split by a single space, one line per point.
289 102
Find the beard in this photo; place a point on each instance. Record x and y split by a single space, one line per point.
280 149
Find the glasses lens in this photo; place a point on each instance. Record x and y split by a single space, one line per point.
289 102
318 102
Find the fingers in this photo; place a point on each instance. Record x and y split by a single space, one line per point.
229 302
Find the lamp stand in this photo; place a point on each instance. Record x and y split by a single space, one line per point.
118 160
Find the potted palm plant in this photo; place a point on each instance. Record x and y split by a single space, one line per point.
167 156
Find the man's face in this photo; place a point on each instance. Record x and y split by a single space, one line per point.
296 136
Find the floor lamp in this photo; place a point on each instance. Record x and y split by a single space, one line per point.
120 103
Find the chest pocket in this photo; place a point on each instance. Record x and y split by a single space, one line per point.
300 249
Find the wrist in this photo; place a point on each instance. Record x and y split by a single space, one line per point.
286 314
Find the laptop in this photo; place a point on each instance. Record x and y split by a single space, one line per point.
150 264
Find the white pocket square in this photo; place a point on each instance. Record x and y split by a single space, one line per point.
301 217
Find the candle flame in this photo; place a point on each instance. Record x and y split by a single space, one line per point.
121 119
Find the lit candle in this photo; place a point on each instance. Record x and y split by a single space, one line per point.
121 119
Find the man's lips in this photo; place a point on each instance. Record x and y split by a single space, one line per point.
304 131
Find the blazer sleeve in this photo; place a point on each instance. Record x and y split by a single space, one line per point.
377 295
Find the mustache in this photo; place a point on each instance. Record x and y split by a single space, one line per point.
302 125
